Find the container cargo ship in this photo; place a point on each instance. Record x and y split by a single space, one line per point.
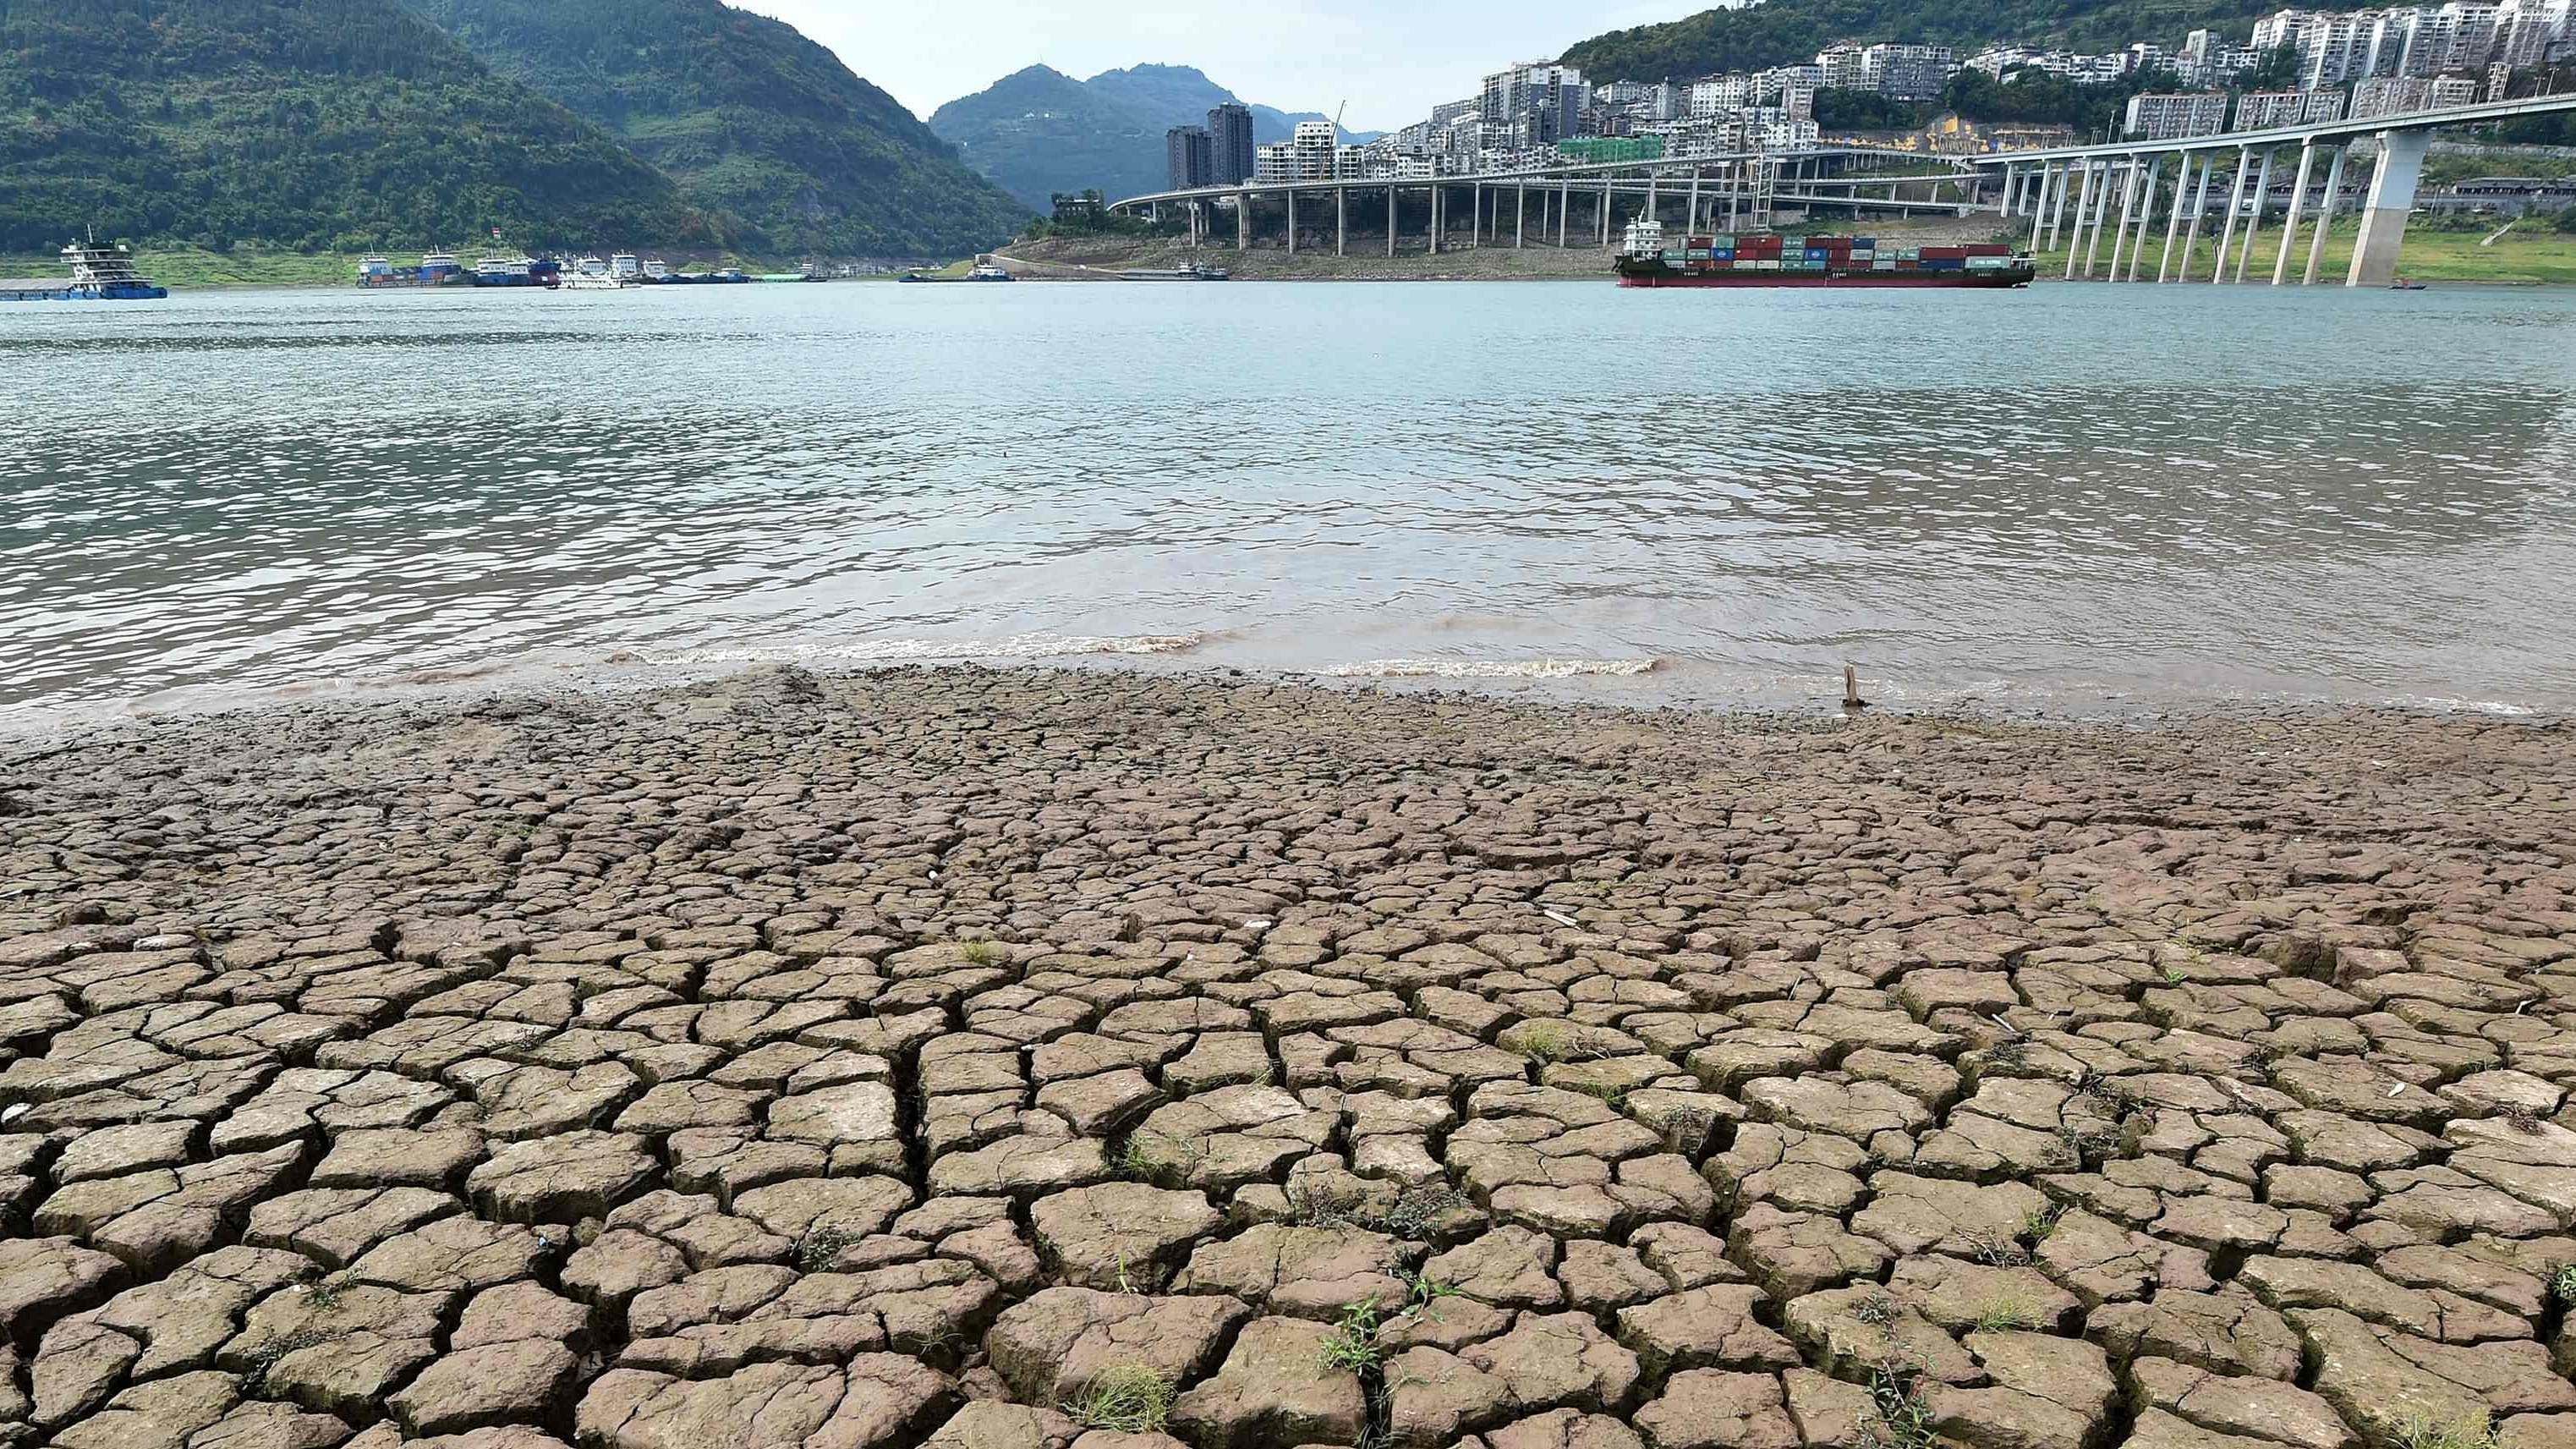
1811 261
99 274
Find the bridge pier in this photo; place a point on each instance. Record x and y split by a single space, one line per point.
1564 207
2290 219
2173 223
2254 219
1292 221
1341 221
2093 174
2235 209
2146 214
2199 211
2083 198
1390 221
1692 223
2102 213
2128 213
2325 215
1243 220
1435 218
1520 216
2383 213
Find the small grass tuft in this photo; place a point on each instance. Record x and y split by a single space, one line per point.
2423 1431
1996 1250
325 1293
265 1359
1898 1416
1878 1310
981 953
1126 1399
2563 1283
1352 1345
1157 1157
2039 1223
1998 1315
1416 1207
1422 1293
1543 1042
2522 1120
821 1246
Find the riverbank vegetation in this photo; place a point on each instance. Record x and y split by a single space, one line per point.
2533 251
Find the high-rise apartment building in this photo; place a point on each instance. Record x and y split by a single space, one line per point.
1193 160
1230 158
1542 102
2170 117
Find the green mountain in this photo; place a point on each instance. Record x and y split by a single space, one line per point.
345 125
1779 32
759 124
1040 131
1182 95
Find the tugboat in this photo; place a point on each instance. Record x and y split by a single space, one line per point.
988 270
99 274
1771 260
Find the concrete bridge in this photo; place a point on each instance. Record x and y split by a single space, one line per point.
2040 184
1586 203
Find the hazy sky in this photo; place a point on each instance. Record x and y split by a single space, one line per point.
1392 60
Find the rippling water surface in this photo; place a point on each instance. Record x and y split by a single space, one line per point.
2162 493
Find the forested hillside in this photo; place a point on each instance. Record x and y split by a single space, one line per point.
342 125
1039 131
761 125
1779 32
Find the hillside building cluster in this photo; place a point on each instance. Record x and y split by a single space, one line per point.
2360 63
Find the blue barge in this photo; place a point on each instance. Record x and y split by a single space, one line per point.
99 274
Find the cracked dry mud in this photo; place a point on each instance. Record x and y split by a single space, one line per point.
1029 1060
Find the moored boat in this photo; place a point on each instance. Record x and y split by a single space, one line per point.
99 274
590 274
1194 272
1771 260
498 271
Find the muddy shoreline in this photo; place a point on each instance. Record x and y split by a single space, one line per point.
1045 1057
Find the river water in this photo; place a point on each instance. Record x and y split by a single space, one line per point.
2061 496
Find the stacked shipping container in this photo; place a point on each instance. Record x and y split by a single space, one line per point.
1830 254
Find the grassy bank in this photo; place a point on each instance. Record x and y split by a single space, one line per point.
2529 254
197 267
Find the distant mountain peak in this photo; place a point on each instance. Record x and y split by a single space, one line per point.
1105 132
1153 68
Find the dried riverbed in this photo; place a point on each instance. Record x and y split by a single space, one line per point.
1038 1059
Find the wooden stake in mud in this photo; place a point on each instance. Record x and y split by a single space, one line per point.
1851 689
